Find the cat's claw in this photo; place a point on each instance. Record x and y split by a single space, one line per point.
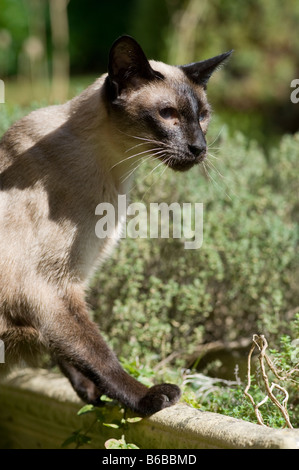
159 397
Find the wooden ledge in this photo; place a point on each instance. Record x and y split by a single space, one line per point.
38 410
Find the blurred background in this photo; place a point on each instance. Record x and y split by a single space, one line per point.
51 49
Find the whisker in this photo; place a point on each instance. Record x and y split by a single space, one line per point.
166 167
215 182
217 137
205 170
148 174
159 175
137 145
129 173
141 138
226 180
215 168
147 141
154 154
214 149
136 155
213 156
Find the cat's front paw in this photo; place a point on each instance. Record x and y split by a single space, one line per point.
159 397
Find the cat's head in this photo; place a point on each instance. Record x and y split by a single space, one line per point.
163 109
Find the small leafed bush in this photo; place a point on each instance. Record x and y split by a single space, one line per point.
153 296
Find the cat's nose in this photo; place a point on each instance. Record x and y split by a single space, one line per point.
197 150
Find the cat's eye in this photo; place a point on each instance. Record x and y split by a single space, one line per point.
203 115
169 113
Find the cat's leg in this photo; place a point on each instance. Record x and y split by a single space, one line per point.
75 340
84 387
20 343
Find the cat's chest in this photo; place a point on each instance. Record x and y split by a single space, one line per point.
102 231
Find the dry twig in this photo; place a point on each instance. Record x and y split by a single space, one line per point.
261 343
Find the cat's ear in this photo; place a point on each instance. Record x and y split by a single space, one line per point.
128 66
200 72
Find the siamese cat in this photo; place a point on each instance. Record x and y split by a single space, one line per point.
56 165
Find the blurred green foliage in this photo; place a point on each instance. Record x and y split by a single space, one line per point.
153 297
252 92
256 84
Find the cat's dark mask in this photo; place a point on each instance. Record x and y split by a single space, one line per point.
163 103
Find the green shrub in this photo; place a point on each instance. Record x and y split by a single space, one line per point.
153 296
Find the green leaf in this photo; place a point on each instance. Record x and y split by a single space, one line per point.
119 444
113 444
111 425
134 420
86 409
